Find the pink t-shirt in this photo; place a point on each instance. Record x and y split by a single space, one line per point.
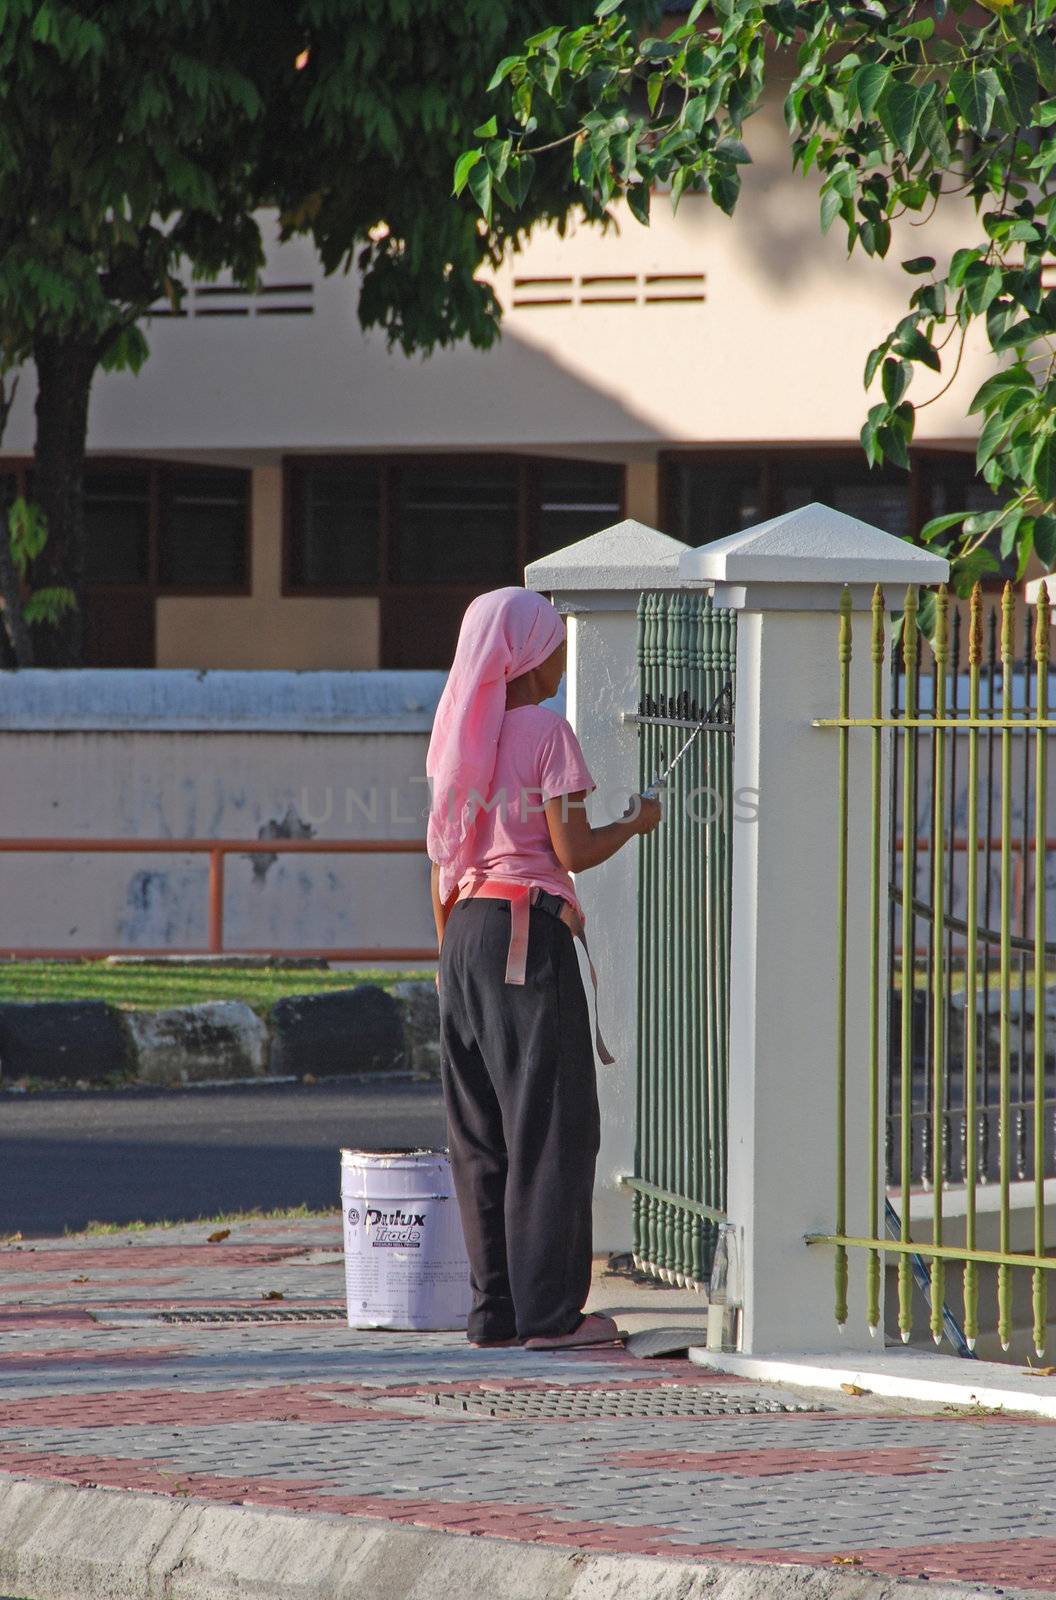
539 759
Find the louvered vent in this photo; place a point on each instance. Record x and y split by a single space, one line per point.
610 289
277 299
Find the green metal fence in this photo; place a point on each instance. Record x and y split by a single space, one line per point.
952 1078
686 654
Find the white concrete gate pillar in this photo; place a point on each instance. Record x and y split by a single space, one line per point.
785 578
595 584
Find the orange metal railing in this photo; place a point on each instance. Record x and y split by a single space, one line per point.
217 850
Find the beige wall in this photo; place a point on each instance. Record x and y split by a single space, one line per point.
696 330
266 628
642 493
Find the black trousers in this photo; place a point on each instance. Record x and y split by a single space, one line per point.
523 1120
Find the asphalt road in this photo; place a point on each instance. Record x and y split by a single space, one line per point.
173 1155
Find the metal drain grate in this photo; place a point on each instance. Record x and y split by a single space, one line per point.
216 1315
572 1405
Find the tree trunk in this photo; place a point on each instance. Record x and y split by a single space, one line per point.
65 368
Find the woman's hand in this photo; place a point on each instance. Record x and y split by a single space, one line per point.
578 846
645 812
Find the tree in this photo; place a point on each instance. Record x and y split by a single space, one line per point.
138 141
896 105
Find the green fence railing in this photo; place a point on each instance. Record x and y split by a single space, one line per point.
949 1081
686 654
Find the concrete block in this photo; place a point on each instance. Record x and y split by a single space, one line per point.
420 1007
346 1031
53 1039
217 1039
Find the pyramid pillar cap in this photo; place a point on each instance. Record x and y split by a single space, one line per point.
803 559
608 570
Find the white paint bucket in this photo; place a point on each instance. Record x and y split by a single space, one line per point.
405 1258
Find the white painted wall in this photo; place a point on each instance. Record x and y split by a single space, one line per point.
214 755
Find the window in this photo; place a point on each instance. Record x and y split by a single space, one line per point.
117 526
573 499
708 496
426 533
455 523
161 527
202 532
338 516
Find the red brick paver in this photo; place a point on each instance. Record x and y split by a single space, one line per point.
318 1420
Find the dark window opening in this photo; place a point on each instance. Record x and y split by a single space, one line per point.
706 496
455 524
426 534
202 535
338 517
573 499
117 527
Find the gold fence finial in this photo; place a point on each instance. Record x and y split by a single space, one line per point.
909 627
1041 627
975 625
1008 622
845 623
879 624
940 644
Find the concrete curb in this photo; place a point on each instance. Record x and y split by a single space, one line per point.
370 1030
63 1543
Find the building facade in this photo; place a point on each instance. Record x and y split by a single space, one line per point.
277 489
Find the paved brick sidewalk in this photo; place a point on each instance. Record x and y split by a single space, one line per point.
309 1417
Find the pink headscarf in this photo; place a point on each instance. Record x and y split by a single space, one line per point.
503 634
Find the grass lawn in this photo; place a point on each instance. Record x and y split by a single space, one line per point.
153 987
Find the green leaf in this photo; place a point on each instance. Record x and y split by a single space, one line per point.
501 73
900 108
725 186
994 430
28 531
939 525
917 30
127 352
605 8
487 130
919 265
867 85
480 188
49 604
541 41
894 379
975 95
1009 529
733 150
1045 540
831 204
874 359
915 347
695 113
959 264
1014 377
875 236
982 286
1043 467
932 131
637 197
1044 117
464 166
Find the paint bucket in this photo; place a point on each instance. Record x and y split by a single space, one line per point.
405 1257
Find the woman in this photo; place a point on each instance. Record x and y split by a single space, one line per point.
506 827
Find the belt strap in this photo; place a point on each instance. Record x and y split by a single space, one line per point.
521 897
